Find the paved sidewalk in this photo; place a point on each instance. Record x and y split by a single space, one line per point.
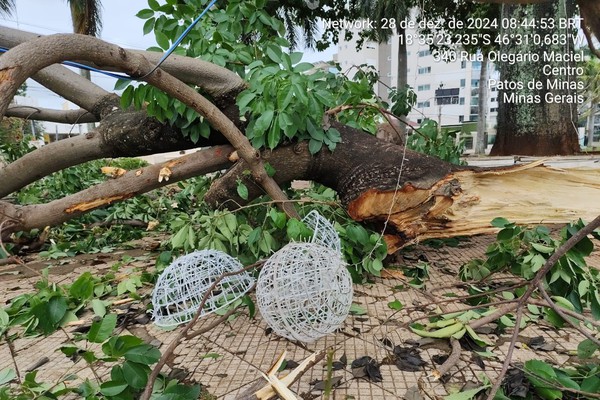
229 359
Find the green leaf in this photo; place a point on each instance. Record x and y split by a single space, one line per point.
314 146
303 67
181 392
116 346
136 375
542 376
145 14
264 121
143 354
154 5
121 84
4 319
500 222
101 330
395 305
112 388
162 40
127 97
149 25
356 309
591 384
274 53
586 348
242 190
51 313
542 248
7 375
466 395
83 287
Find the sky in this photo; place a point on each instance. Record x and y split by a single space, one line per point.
120 26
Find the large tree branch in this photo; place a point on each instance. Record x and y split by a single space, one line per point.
132 183
418 197
51 115
121 134
213 79
16 65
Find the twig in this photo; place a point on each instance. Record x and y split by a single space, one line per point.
536 283
564 316
11 348
511 348
182 334
451 361
9 260
570 313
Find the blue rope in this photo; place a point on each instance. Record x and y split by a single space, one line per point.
162 59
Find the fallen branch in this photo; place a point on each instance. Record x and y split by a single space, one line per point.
535 284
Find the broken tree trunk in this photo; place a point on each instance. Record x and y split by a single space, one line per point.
420 196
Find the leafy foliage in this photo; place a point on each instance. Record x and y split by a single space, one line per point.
439 143
523 252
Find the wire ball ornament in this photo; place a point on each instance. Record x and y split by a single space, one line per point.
324 232
182 285
304 291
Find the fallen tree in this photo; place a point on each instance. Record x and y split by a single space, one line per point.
409 195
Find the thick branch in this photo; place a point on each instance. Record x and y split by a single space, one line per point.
51 115
433 199
121 134
133 183
215 80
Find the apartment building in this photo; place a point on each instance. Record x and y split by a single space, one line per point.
446 92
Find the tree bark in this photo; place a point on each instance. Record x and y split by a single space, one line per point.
121 134
132 183
528 124
433 199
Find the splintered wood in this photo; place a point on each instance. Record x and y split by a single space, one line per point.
464 202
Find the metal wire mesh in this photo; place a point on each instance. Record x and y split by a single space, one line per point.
324 232
304 291
182 285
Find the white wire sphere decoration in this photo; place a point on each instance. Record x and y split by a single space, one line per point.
324 232
304 291
182 285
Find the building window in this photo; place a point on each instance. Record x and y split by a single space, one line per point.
476 64
424 53
474 83
424 70
389 58
422 88
493 99
463 64
475 100
493 109
461 101
463 82
419 120
423 104
370 45
461 118
473 117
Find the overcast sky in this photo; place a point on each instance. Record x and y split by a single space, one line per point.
120 26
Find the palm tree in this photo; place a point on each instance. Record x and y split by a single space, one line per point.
86 16
7 7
